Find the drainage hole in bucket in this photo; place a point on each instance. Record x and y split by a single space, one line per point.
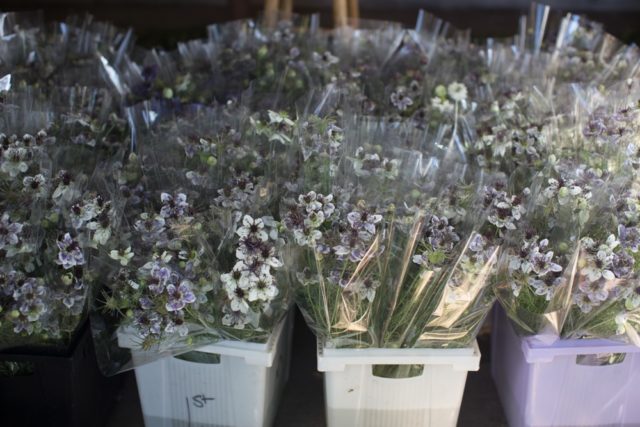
200 357
9 368
397 371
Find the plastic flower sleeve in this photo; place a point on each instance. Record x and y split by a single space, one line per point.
198 255
392 254
64 54
56 221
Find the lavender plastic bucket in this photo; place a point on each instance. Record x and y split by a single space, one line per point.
563 384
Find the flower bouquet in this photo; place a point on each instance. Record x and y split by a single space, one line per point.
568 276
55 219
64 54
391 255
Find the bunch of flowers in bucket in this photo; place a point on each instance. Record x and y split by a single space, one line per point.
55 218
199 255
388 252
571 269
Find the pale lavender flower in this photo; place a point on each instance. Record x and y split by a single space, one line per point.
584 302
623 264
234 318
595 290
629 237
542 263
400 99
174 206
151 228
180 296
9 231
70 253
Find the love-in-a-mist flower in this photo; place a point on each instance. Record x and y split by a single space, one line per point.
367 289
36 185
542 263
252 227
151 227
400 99
629 237
263 289
325 59
15 161
123 256
70 253
9 232
174 206
180 296
596 290
457 92
234 318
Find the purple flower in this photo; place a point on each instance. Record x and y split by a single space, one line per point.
150 227
440 234
364 221
70 254
595 290
9 231
542 263
29 299
173 206
179 297
629 237
622 264
147 323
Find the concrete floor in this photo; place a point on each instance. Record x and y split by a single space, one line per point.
303 401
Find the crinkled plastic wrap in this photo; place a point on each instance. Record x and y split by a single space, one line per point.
56 219
198 256
386 248
570 270
60 54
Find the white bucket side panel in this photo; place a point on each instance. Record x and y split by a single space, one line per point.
235 392
355 397
176 393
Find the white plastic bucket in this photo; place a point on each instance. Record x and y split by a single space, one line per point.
242 390
357 398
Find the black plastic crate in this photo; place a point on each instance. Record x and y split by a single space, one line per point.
51 390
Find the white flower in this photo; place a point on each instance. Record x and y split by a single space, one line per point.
102 233
252 227
236 319
621 323
307 237
457 91
367 289
236 279
35 185
442 105
263 289
545 287
15 161
279 119
600 265
122 256
238 299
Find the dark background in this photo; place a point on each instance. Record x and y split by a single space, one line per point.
162 22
